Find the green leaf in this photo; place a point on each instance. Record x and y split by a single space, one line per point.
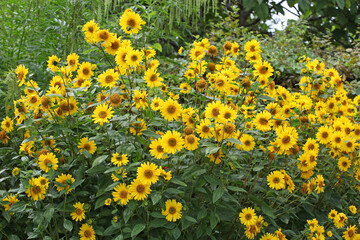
6 215
234 140
258 168
236 189
217 194
190 219
68 225
213 220
158 222
99 160
178 182
176 233
18 207
49 213
264 97
157 46
341 4
214 181
304 5
201 214
174 191
100 201
262 11
264 207
155 197
211 150
137 229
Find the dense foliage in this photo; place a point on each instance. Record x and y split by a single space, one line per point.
120 145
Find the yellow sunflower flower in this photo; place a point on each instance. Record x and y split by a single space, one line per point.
173 210
48 161
7 124
156 149
90 146
148 173
12 198
121 194
108 78
79 213
102 114
247 216
139 190
87 232
152 78
64 179
21 73
276 180
172 142
35 190
171 110
131 22
53 63
118 160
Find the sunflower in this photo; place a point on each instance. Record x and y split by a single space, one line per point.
148 173
197 53
203 129
133 58
44 182
276 180
85 70
118 160
191 142
263 70
156 149
108 78
87 232
350 233
90 29
333 213
12 198
138 127
113 45
53 63
152 78
262 121
185 88
216 157
286 138
103 35
121 194
235 49
33 101
48 161
131 22
170 110
120 57
79 213
140 99
247 216
323 135
156 103
247 141
227 114
73 61
15 171
26 147
320 184
35 190
68 106
344 164
173 210
340 219
172 142
139 190
89 146
7 124
337 139
212 110
102 114
21 73
64 179
353 209
252 47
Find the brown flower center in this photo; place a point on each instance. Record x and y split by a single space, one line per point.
263 70
131 22
86 71
115 98
263 121
140 188
172 142
171 109
148 173
87 233
190 139
102 114
172 210
109 79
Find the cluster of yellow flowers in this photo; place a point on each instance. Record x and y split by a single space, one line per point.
221 105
